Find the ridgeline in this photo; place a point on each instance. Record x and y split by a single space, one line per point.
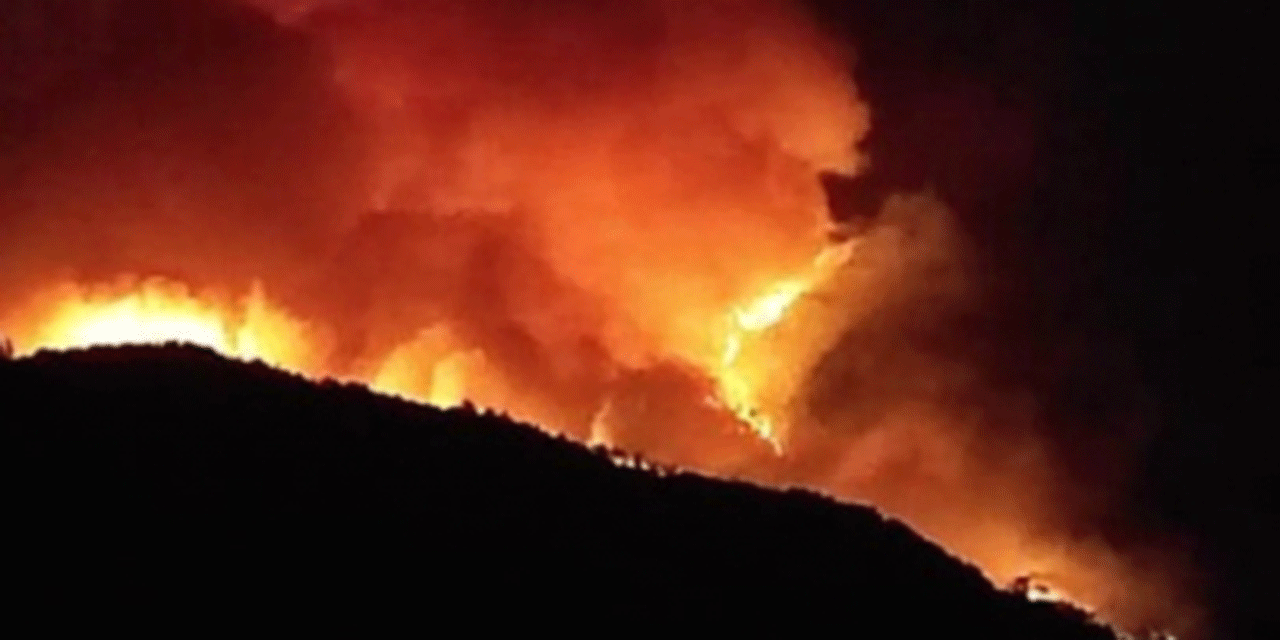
146 472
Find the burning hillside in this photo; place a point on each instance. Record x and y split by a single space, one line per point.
605 218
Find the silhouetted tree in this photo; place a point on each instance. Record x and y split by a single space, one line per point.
6 347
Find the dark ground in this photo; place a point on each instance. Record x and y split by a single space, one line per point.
162 475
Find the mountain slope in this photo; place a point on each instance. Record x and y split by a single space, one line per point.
146 471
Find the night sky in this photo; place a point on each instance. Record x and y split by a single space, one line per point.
1111 161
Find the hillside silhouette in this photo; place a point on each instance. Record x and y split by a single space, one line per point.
145 472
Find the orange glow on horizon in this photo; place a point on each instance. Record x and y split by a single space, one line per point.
435 367
158 311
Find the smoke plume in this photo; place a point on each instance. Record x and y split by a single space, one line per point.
561 209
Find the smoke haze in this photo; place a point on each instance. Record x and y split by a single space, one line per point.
554 209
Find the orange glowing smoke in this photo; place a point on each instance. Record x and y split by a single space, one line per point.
605 218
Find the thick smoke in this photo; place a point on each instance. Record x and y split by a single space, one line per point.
907 402
686 137
553 207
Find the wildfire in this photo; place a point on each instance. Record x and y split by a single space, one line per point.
739 384
132 319
741 380
1034 589
433 367
768 309
594 217
158 311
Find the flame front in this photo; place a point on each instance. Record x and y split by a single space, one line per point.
434 367
136 319
737 382
740 381
152 313
159 311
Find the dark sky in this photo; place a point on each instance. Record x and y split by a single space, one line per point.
1111 161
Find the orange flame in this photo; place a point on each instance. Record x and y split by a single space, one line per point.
158 311
739 380
434 367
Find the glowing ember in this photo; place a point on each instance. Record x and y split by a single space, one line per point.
1040 592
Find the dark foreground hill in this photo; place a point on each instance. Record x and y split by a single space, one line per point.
158 474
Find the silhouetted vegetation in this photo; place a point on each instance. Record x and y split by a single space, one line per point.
165 471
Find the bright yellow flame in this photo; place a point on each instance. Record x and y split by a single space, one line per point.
434 367
153 314
740 383
449 378
768 309
1045 593
130 321
157 312
1035 590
